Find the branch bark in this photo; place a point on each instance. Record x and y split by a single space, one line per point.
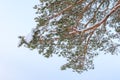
103 20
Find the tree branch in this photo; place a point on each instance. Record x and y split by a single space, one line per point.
103 20
67 8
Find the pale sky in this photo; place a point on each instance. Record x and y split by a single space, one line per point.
16 18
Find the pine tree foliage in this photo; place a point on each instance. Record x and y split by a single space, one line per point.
76 30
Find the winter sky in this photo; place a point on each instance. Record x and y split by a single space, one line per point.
16 18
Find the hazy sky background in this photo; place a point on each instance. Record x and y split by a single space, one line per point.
16 18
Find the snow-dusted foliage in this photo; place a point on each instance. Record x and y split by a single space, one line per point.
76 30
